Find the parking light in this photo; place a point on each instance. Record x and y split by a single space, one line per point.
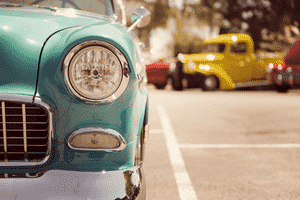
96 139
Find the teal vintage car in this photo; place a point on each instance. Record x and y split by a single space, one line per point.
74 107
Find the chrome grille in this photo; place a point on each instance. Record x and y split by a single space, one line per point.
24 132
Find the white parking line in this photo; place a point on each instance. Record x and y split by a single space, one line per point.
236 146
184 184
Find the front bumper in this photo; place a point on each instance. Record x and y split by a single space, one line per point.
72 185
285 78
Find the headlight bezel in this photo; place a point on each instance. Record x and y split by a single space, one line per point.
124 70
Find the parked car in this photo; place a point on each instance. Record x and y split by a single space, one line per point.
158 73
285 74
226 62
74 104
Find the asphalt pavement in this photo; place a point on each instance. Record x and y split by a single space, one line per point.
223 145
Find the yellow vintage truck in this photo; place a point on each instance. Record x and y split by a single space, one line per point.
225 62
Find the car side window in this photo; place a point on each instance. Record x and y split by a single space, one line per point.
214 48
239 48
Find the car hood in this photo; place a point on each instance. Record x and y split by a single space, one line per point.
24 31
202 57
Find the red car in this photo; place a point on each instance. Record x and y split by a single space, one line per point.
158 73
286 73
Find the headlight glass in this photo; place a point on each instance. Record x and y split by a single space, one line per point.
95 73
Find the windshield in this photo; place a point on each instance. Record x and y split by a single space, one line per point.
103 7
214 48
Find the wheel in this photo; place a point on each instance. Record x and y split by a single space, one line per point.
192 81
282 88
177 77
160 86
210 83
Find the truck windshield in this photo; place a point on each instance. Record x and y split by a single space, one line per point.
214 48
103 7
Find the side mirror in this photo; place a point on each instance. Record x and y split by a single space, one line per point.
141 17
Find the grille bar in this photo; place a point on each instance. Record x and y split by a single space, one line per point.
4 130
24 132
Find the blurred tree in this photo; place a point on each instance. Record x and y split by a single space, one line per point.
276 18
160 12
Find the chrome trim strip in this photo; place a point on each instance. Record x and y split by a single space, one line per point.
107 131
4 129
252 83
28 99
123 63
24 132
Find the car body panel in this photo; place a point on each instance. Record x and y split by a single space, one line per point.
157 72
292 56
225 80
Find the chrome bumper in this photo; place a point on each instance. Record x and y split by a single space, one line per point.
70 185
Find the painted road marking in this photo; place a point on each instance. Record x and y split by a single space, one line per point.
236 146
184 184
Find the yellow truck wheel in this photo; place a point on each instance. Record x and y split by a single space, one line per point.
177 77
210 83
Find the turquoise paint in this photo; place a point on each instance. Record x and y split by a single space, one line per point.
23 33
72 114
125 114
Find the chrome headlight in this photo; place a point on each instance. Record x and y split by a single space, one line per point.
96 71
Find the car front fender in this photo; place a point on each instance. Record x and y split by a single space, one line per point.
226 81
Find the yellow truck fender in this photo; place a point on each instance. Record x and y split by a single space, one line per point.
224 79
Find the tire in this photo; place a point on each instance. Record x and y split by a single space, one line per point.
160 86
282 88
210 83
177 77
192 81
